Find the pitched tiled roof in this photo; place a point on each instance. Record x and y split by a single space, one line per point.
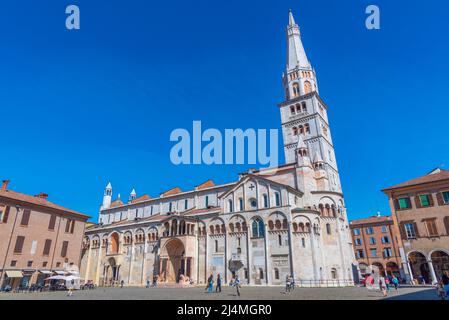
116 203
431 177
10 194
141 198
171 192
369 220
207 184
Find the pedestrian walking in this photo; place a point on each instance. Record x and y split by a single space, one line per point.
382 285
387 283
148 283
395 282
210 286
218 287
237 285
440 290
121 284
292 283
445 281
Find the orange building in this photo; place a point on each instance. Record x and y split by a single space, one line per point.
376 245
420 210
37 238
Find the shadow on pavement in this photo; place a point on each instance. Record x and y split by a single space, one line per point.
429 294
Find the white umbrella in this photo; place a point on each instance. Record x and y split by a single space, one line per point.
56 278
70 278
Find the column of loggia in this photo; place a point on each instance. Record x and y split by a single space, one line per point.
97 275
89 257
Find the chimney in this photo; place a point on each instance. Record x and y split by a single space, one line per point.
42 195
5 185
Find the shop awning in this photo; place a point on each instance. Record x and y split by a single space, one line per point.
14 274
61 272
45 271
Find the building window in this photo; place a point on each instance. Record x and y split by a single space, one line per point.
373 253
44 264
261 273
358 241
69 226
446 197
216 245
385 239
384 229
372 240
186 204
207 201
280 240
334 273
410 230
424 199
4 214
328 228
307 128
277 199
292 110
13 263
47 247
360 254
29 264
258 229
387 253
170 207
241 204
369 230
19 244
431 227
65 245
52 222
303 242
265 201
404 203
276 273
253 203
356 232
231 206
25 217
58 264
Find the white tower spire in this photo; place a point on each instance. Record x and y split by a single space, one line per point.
107 197
296 55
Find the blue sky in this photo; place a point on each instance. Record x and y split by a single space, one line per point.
81 108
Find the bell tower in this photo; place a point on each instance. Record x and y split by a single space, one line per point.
303 113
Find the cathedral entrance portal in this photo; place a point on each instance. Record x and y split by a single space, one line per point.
173 262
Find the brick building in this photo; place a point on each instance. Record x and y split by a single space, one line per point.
376 245
37 237
420 210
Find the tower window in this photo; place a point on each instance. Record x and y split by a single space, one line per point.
307 87
301 129
295 131
307 128
295 89
292 110
304 107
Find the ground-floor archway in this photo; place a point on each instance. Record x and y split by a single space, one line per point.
174 264
419 267
392 269
440 261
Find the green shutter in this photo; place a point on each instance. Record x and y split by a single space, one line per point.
424 200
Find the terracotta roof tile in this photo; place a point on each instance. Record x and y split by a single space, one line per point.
10 194
369 220
171 192
207 184
141 198
116 203
431 177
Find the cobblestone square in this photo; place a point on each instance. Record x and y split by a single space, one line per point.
229 293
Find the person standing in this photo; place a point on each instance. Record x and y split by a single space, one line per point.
287 284
148 283
121 284
218 287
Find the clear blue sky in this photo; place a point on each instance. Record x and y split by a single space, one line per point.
81 108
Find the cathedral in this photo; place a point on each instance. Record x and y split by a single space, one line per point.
267 225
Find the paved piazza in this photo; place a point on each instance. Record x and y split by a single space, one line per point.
253 293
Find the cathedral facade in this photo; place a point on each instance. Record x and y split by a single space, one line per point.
270 223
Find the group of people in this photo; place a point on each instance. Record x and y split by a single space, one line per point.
235 282
443 287
385 283
289 283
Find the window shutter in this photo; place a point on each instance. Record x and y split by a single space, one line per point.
431 203
51 224
415 226
67 226
64 249
72 227
19 244
440 199
47 247
25 217
402 231
6 215
417 201
396 204
446 224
